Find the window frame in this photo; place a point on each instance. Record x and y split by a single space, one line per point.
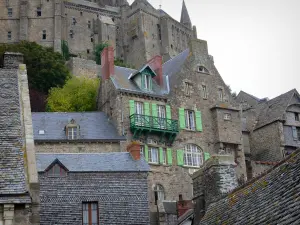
220 94
9 12
147 82
298 133
44 35
152 149
187 88
38 11
52 172
296 115
9 35
189 120
159 191
191 151
227 116
204 70
90 213
73 136
204 91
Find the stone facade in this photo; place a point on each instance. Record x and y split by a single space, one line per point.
80 67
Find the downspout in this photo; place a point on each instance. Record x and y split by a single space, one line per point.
122 116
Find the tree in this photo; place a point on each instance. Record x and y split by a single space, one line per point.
45 68
98 50
77 95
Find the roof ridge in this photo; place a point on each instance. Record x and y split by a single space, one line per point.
175 56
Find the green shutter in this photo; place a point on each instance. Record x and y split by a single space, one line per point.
206 156
131 107
198 121
168 112
142 81
154 109
180 157
161 156
146 109
181 118
169 154
146 155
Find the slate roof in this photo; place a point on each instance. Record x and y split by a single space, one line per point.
271 198
93 126
93 162
274 109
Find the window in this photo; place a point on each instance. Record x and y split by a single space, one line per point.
88 51
147 82
41 132
298 133
190 119
90 213
296 116
9 35
89 24
153 155
71 34
56 171
164 155
202 69
72 133
227 116
92 39
38 11
74 21
159 194
162 116
139 110
193 156
142 150
220 94
81 13
204 92
187 89
44 37
9 12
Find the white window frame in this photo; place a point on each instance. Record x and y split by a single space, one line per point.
227 116
87 209
153 155
159 193
38 11
139 111
72 133
147 81
142 150
161 113
190 122
9 12
193 156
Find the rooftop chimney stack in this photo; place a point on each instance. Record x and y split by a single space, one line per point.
12 60
156 64
107 62
135 150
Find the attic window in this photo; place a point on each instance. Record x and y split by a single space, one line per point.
146 82
202 69
41 132
56 171
72 133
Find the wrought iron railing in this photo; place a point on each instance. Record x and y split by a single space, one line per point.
154 123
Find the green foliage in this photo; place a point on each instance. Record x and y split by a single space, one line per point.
98 50
65 50
77 95
45 68
120 62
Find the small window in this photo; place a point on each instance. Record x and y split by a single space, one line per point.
88 51
92 39
159 194
41 132
153 155
298 133
89 24
139 108
161 113
147 82
81 13
9 35
71 34
227 116
220 94
190 120
72 133
56 171
38 11
296 116
44 37
204 92
90 213
74 21
187 88
9 12
142 150
202 69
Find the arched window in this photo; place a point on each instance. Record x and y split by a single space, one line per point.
202 69
159 193
193 156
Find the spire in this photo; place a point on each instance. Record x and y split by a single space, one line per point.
185 18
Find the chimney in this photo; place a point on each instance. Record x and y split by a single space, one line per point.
107 62
216 178
183 206
198 48
135 150
12 60
156 64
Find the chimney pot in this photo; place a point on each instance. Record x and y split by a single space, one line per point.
135 150
156 64
107 62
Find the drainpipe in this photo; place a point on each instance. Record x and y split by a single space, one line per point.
122 116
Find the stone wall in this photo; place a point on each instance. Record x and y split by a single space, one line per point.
122 198
260 167
80 67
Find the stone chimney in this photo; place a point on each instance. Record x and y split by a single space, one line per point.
156 64
12 60
198 48
135 150
107 62
216 178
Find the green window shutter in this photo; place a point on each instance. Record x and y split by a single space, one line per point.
131 107
180 157
169 155
295 135
168 112
181 118
146 153
154 109
142 81
198 121
161 156
206 156
146 109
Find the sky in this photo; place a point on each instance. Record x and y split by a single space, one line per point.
255 43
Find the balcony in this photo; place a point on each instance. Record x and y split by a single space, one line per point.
141 124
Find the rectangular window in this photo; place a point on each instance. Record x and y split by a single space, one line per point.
153 155
72 133
227 116
88 51
90 213
161 111
139 111
190 120
296 116
44 37
73 21
298 133
92 39
89 24
142 150
187 89
9 35
71 34
204 92
9 12
38 11
147 82
220 94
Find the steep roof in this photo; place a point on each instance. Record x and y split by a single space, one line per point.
93 126
185 17
93 162
272 198
274 109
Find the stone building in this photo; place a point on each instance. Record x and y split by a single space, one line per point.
137 32
180 111
93 188
19 188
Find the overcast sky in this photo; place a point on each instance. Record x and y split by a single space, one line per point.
255 43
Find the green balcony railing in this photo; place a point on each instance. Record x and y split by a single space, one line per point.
153 123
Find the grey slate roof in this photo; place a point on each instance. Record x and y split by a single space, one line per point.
93 162
272 198
93 126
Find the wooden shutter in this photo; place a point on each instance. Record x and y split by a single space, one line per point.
131 107
180 157
146 155
198 121
154 109
146 109
169 154
168 112
206 156
181 118
295 135
161 156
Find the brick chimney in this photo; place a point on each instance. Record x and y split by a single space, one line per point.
12 60
107 62
183 206
156 64
135 150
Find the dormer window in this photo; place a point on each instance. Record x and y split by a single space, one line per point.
146 82
72 130
56 171
202 69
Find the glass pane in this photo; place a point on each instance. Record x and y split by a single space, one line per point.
85 214
155 155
